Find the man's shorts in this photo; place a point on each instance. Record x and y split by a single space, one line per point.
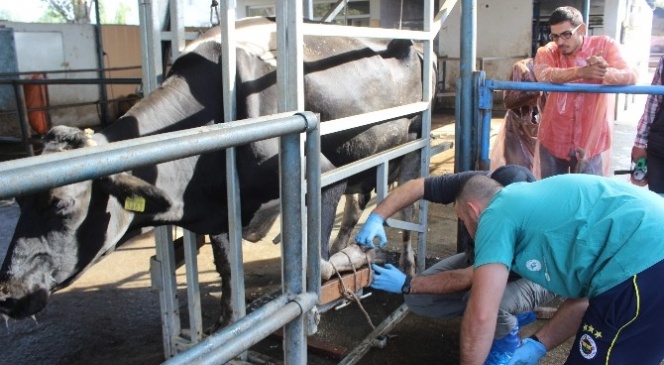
624 325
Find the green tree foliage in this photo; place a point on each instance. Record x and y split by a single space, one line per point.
68 11
121 13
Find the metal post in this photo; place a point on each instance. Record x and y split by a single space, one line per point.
150 46
103 95
193 289
23 118
162 268
585 11
313 203
228 69
290 81
468 55
428 94
176 28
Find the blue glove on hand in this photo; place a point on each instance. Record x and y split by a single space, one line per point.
371 229
529 353
388 278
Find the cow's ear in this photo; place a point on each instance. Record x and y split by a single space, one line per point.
135 194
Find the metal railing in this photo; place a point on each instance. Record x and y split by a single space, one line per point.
483 102
34 174
22 110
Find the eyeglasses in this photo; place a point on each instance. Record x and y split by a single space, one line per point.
564 35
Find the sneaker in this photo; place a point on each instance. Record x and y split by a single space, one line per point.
503 348
526 318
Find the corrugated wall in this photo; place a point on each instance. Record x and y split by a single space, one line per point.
122 48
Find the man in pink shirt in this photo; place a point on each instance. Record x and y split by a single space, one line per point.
575 131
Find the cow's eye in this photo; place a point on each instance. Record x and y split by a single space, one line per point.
64 206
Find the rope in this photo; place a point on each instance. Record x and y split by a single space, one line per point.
401 15
214 6
349 294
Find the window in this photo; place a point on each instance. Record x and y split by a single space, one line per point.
261 10
356 13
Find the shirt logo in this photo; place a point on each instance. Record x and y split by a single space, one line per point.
534 265
587 346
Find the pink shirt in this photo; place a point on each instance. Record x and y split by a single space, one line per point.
573 121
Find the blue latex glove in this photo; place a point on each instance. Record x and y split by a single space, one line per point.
388 278
529 353
371 229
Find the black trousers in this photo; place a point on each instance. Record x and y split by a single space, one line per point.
656 173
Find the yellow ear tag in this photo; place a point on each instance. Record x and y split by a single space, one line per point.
135 204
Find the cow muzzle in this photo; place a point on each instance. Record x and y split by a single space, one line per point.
24 306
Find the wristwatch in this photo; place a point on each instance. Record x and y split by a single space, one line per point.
405 289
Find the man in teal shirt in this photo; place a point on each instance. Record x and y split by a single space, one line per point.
597 241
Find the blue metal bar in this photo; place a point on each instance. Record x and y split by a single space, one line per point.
468 55
483 121
459 137
37 173
585 12
577 88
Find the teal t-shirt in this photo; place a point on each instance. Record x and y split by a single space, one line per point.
577 235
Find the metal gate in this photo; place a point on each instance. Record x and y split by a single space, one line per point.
223 346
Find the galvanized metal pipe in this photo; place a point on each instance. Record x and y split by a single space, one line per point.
293 247
290 85
32 174
346 171
313 201
220 338
23 119
354 121
240 341
5 74
72 81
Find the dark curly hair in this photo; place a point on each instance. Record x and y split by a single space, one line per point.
566 14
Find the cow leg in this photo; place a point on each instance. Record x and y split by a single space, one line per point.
262 221
355 204
330 197
220 250
409 170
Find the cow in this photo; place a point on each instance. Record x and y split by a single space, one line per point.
63 231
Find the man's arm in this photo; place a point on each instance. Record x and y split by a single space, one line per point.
479 320
608 66
564 324
445 282
514 99
546 70
401 197
618 71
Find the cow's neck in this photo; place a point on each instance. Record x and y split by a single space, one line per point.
169 108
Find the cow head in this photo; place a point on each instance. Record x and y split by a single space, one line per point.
62 231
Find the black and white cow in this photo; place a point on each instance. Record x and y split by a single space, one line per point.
61 232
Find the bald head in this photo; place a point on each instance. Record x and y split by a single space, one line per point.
479 188
473 199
